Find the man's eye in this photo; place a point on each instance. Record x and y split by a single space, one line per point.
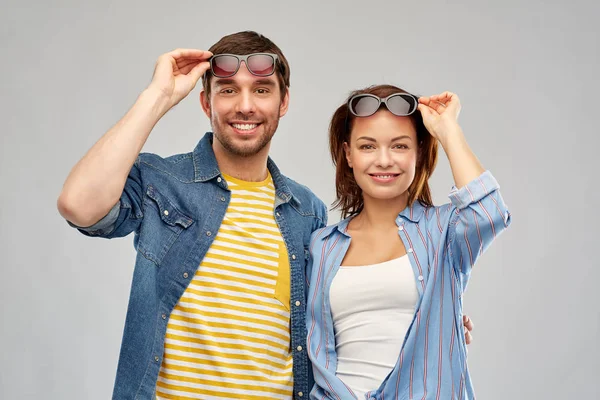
262 91
227 91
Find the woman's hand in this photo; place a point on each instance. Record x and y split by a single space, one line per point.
440 115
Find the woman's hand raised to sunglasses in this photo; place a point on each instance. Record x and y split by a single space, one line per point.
177 72
440 114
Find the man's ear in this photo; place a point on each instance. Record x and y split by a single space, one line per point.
283 107
205 103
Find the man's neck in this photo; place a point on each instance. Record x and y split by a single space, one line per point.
250 169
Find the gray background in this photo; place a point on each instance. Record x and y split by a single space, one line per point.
527 75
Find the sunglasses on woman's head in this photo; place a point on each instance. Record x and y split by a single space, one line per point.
259 64
400 104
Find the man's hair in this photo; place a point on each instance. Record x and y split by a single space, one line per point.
248 42
348 194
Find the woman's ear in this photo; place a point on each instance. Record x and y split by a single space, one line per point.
347 152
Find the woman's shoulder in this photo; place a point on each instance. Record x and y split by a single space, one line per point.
339 228
424 214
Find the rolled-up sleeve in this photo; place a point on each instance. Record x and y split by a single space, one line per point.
125 216
480 215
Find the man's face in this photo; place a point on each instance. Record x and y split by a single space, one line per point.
244 111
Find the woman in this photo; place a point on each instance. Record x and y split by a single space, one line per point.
384 310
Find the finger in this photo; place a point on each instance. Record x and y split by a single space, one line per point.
196 54
184 63
189 66
426 110
469 324
468 337
186 70
438 106
444 97
449 99
424 100
199 70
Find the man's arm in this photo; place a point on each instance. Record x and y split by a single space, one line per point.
96 182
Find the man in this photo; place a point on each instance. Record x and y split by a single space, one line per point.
217 301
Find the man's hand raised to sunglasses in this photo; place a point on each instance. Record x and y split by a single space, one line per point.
177 72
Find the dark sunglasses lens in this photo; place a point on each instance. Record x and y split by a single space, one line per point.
364 106
402 104
224 66
261 64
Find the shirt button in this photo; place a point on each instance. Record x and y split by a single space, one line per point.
293 256
164 316
222 198
166 212
219 179
156 358
420 277
208 233
401 228
299 348
278 214
185 275
300 394
410 250
298 304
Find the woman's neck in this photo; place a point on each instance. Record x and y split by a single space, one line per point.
379 214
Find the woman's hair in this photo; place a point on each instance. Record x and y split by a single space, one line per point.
348 194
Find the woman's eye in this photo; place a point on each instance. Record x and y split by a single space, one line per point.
366 147
402 146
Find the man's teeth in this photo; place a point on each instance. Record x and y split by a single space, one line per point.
244 127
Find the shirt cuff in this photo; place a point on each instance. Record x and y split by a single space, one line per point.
105 225
474 191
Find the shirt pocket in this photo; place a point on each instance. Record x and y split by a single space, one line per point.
162 225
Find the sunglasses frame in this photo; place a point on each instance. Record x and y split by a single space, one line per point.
243 58
384 101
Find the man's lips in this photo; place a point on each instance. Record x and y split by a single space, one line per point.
245 127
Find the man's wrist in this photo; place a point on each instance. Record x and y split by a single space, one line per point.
157 100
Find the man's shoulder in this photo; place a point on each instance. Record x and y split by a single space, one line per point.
303 193
179 166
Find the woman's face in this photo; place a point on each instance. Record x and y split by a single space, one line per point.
383 154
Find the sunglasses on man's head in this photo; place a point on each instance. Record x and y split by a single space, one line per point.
259 64
400 104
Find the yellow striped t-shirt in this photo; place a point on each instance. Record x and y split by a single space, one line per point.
228 337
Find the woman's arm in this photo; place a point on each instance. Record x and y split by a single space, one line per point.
440 116
480 214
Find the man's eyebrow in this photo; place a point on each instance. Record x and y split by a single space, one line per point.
224 81
264 82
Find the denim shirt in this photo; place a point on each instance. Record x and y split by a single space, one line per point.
442 244
175 206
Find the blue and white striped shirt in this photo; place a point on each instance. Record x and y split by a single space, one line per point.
443 243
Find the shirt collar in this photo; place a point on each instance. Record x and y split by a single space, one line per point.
207 168
413 213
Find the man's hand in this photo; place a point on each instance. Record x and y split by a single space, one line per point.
177 72
468 327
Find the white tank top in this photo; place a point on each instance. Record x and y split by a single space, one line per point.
372 307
